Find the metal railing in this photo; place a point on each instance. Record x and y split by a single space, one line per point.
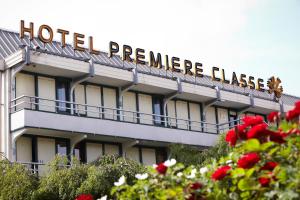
101 112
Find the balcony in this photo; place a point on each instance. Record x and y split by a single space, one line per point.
40 113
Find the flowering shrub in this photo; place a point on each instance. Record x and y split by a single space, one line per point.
263 163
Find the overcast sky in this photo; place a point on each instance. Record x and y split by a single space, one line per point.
256 37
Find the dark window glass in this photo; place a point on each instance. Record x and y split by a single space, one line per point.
62 95
232 119
61 148
157 109
161 155
79 152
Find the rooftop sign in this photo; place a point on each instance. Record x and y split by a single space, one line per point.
138 56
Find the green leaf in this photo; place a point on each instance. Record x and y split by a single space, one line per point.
238 172
249 172
252 145
266 146
243 185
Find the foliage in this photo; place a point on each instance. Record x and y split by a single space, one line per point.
97 178
263 163
16 181
194 156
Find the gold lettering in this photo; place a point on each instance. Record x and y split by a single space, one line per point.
50 32
28 30
155 62
63 36
167 67
139 56
187 67
260 85
78 41
243 82
91 47
214 78
198 70
224 78
175 64
113 48
251 83
127 51
234 80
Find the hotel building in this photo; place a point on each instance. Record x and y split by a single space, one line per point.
57 100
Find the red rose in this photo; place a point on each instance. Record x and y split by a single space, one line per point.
273 116
196 186
265 182
257 131
297 105
247 161
277 137
84 197
231 137
242 133
269 166
220 173
292 114
253 120
161 168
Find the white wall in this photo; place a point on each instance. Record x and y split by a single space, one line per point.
110 101
148 156
111 149
182 113
93 151
145 106
93 98
210 118
195 115
24 149
133 153
25 86
80 99
171 113
46 89
129 103
46 152
223 118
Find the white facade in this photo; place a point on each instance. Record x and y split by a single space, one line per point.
109 113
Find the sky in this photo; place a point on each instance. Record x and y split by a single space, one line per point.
260 38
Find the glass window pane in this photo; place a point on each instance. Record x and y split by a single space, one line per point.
61 147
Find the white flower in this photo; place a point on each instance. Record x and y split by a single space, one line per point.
193 174
141 176
228 162
154 166
203 170
120 182
170 163
103 198
179 174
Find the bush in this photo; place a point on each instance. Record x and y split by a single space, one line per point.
194 156
16 181
97 178
263 163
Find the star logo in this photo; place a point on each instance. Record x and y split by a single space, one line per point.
274 86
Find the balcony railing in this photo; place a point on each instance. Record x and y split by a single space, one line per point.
101 112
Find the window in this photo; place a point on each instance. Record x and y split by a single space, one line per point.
62 94
232 119
61 147
157 110
80 152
